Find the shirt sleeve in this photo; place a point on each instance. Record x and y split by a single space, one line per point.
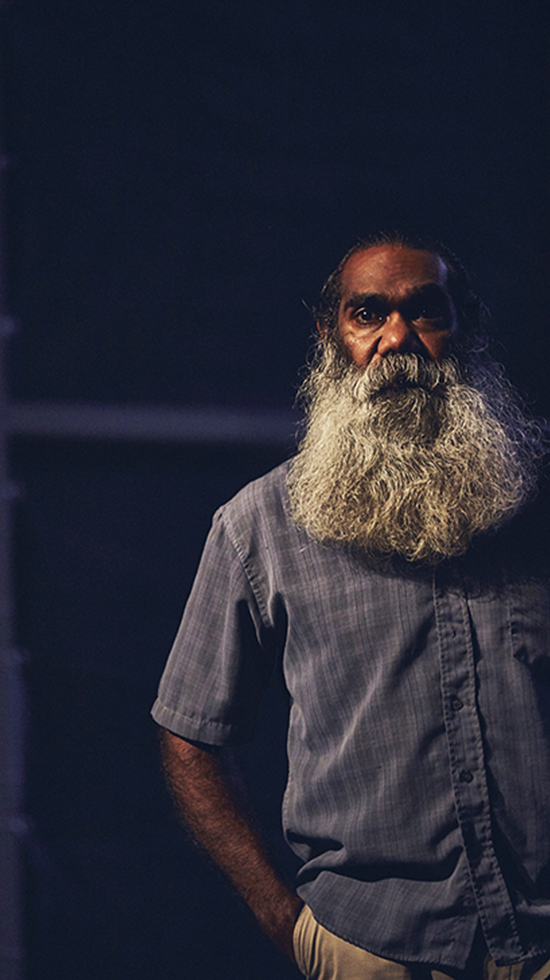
221 659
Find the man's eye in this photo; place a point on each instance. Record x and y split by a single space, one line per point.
370 317
427 313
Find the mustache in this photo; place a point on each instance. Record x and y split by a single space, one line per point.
398 372
410 456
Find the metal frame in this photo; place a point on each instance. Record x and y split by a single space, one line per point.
12 823
157 423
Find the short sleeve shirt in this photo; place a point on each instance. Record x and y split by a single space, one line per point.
418 794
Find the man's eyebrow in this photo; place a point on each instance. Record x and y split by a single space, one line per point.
363 299
382 299
430 291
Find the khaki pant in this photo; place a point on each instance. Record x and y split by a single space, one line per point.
320 955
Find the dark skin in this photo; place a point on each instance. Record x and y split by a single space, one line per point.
394 299
210 798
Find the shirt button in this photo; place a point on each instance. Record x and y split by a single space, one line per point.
456 704
466 776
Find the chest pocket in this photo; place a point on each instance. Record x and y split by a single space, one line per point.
529 607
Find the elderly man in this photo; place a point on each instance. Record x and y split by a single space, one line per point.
397 565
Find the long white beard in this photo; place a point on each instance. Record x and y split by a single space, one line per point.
408 458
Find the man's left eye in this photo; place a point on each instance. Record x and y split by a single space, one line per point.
426 313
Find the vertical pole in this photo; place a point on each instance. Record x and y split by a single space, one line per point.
11 690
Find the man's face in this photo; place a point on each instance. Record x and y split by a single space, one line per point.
394 300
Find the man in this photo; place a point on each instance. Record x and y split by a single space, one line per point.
396 565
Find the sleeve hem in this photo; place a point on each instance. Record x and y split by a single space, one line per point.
204 730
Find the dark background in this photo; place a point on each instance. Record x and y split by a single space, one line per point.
182 178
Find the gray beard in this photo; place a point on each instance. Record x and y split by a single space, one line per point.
410 457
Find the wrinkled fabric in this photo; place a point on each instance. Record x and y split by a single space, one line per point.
320 955
418 794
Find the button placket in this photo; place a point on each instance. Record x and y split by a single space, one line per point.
466 756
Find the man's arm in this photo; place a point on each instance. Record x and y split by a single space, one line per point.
211 801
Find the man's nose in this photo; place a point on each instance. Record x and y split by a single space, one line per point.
397 336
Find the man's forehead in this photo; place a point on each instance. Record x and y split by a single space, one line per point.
388 269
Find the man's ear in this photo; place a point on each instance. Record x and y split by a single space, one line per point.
323 331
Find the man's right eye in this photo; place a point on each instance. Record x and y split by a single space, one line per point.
369 317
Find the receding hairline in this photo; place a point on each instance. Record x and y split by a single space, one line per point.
395 246
473 316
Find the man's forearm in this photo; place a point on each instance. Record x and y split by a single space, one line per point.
213 808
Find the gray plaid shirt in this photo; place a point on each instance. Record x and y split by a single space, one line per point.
419 740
